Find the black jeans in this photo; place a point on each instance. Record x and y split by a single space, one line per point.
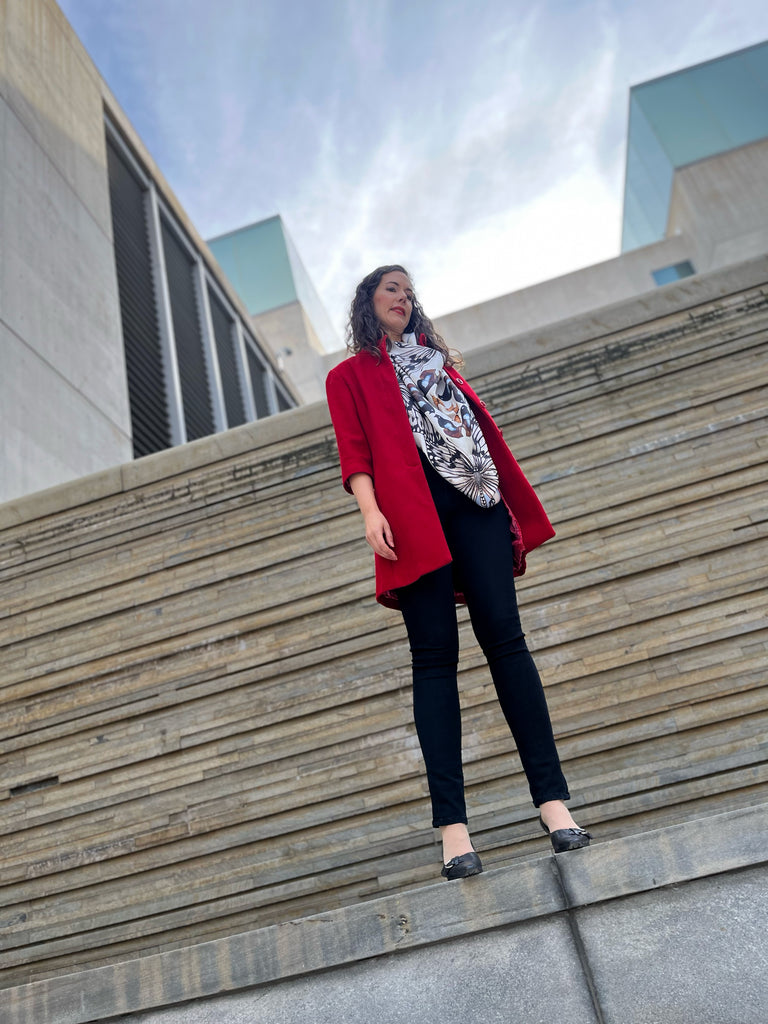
481 547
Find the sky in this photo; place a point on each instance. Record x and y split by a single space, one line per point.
481 143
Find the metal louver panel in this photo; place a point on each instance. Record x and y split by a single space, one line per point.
258 383
193 371
282 402
150 426
224 335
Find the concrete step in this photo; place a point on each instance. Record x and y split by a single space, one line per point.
205 721
643 928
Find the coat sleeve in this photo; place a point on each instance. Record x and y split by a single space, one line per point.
354 449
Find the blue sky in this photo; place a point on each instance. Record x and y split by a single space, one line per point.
482 144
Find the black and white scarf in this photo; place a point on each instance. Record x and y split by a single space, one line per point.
443 423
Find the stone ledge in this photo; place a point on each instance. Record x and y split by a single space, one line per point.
624 314
164 465
532 889
672 299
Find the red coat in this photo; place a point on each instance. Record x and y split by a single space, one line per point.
375 437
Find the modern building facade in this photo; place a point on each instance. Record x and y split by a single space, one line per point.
122 332
695 199
683 118
194 365
265 269
119 334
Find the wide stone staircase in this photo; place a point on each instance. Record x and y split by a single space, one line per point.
206 725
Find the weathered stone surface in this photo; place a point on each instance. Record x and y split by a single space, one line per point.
639 945
693 954
650 860
60 334
373 929
527 974
206 723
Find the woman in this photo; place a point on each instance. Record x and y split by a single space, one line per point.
450 518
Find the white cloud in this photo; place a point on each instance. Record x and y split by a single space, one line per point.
482 144
570 225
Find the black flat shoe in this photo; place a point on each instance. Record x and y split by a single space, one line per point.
463 866
567 838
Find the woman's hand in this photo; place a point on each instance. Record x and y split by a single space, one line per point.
379 535
378 532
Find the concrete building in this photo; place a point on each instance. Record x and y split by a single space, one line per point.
682 119
119 334
123 333
266 270
695 198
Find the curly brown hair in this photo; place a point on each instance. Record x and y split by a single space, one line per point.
364 330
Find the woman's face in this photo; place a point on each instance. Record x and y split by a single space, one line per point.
393 303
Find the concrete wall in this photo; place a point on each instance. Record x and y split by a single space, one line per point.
723 203
666 927
563 297
63 399
64 409
297 350
718 216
